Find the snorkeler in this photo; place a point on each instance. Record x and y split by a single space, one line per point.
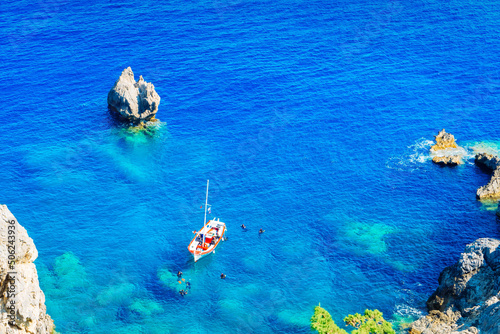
261 231
222 276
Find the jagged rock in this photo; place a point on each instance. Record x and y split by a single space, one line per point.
492 189
444 140
445 150
466 300
436 322
489 162
133 102
451 160
19 286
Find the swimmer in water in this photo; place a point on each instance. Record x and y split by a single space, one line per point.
179 274
222 276
243 226
261 231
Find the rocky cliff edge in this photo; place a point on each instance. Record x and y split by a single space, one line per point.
467 299
22 303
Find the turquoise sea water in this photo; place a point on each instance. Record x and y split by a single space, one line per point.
312 120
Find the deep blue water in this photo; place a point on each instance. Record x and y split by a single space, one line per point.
311 119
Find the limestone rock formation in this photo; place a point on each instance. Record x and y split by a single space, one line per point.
22 303
490 163
444 140
133 102
445 150
436 322
467 298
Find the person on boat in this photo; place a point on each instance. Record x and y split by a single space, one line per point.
222 276
179 274
261 231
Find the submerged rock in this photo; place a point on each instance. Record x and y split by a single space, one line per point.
444 151
20 290
490 163
466 300
133 102
145 307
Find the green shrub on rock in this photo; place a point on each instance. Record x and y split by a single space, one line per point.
371 322
322 322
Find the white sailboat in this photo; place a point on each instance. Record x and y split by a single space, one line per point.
208 238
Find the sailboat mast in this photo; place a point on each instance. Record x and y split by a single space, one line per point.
206 203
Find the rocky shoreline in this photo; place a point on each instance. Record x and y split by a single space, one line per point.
446 152
22 306
490 163
467 298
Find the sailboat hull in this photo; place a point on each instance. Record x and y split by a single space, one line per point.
207 239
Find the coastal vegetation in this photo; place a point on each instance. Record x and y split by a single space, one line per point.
371 322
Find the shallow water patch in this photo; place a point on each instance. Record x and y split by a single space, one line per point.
70 273
364 238
145 307
120 294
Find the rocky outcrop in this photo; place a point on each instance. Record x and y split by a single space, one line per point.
467 298
444 140
487 161
133 102
447 161
22 303
444 152
436 322
490 163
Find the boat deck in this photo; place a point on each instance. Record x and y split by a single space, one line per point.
207 239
